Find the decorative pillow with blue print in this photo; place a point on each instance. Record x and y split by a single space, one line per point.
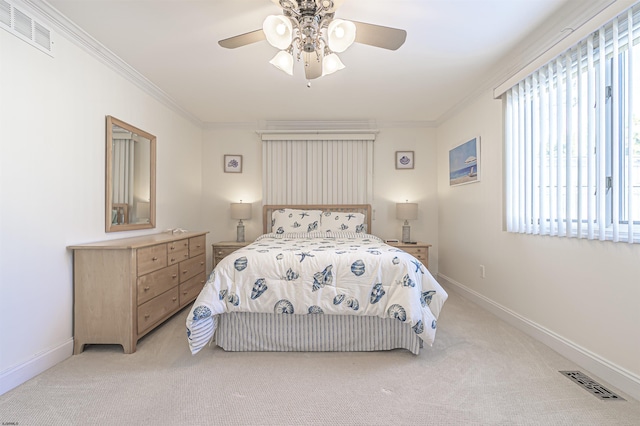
342 222
294 220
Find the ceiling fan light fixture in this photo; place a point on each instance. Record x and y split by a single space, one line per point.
278 30
283 61
340 34
331 63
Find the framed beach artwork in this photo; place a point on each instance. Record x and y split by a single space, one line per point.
464 163
404 160
233 163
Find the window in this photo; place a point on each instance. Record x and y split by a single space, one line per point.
572 140
317 168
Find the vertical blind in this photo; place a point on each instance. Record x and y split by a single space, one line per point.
123 170
571 149
318 170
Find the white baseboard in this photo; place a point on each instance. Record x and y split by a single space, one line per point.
15 376
604 369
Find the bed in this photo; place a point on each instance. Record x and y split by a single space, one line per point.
317 280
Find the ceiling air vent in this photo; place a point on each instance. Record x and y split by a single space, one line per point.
25 27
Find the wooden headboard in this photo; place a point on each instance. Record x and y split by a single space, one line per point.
268 209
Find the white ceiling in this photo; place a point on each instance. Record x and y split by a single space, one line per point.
451 52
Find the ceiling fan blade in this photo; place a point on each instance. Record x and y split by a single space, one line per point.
379 36
312 66
242 39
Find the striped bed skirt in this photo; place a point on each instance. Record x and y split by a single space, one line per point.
247 332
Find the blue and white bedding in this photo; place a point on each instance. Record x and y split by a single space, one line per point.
319 273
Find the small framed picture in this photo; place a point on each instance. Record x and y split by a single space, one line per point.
233 163
464 163
404 160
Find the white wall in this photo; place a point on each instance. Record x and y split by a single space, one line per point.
389 185
52 145
581 297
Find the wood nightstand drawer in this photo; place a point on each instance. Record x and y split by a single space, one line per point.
225 248
420 251
222 252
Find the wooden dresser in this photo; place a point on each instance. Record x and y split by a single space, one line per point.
223 249
125 288
419 250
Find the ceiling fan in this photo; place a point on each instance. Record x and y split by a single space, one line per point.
307 30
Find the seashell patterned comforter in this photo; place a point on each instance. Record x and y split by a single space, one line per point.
312 274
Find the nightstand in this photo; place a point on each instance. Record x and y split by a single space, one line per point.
222 249
420 251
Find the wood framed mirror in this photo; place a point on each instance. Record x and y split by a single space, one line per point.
130 177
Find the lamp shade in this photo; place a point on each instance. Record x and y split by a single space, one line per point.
283 61
407 211
331 63
341 35
240 211
278 30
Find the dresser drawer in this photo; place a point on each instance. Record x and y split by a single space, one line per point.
189 289
197 246
157 309
152 258
155 283
177 251
177 257
192 267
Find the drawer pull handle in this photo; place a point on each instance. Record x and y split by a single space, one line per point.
173 260
185 271
201 263
172 248
146 288
220 253
174 275
154 258
174 299
184 293
146 316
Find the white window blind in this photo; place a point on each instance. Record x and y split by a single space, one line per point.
572 149
318 170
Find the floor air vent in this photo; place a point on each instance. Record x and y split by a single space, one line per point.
592 386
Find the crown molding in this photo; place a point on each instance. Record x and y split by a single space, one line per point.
297 126
80 38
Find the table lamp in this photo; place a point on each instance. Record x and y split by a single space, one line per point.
406 211
240 211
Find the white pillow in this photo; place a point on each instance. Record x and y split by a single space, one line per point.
294 220
342 222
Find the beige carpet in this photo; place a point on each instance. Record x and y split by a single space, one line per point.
480 371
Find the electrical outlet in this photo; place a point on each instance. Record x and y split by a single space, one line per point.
482 275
